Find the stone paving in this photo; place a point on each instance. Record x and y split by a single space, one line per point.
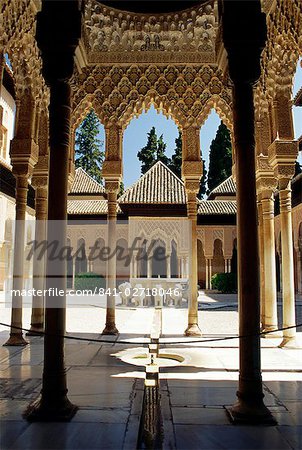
109 390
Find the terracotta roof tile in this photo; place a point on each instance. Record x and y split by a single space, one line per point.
85 184
215 207
228 186
88 207
158 185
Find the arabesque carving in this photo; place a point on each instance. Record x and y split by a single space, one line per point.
117 36
117 93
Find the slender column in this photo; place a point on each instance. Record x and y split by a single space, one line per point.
261 261
244 32
37 315
168 266
149 267
226 264
57 45
210 274
270 321
185 266
282 155
54 403
193 328
207 274
299 271
110 327
16 335
288 285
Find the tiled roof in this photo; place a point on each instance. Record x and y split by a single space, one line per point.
298 98
228 186
85 184
213 207
88 207
157 186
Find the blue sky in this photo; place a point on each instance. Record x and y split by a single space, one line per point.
135 136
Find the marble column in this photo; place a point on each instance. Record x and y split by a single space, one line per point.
37 315
112 190
288 284
57 45
270 285
226 265
207 274
193 328
244 32
24 156
191 171
299 271
149 267
210 273
282 154
168 266
261 262
16 335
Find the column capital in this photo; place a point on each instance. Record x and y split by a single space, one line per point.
282 156
112 186
266 182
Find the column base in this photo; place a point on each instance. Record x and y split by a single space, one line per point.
110 330
243 413
36 330
193 330
42 411
272 334
291 343
16 340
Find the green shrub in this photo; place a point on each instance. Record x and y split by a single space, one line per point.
89 280
226 283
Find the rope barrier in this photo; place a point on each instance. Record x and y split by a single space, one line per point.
124 342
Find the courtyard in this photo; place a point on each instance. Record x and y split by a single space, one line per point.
107 386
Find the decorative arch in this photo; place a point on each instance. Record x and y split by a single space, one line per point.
218 258
221 107
179 91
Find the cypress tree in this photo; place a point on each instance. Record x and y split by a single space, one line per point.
147 155
160 153
89 153
220 165
176 160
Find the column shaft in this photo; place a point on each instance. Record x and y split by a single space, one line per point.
207 274
250 405
210 274
288 286
54 403
299 271
16 335
261 263
193 328
37 316
168 266
110 327
270 286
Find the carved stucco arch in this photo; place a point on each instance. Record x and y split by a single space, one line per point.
87 103
179 91
221 107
